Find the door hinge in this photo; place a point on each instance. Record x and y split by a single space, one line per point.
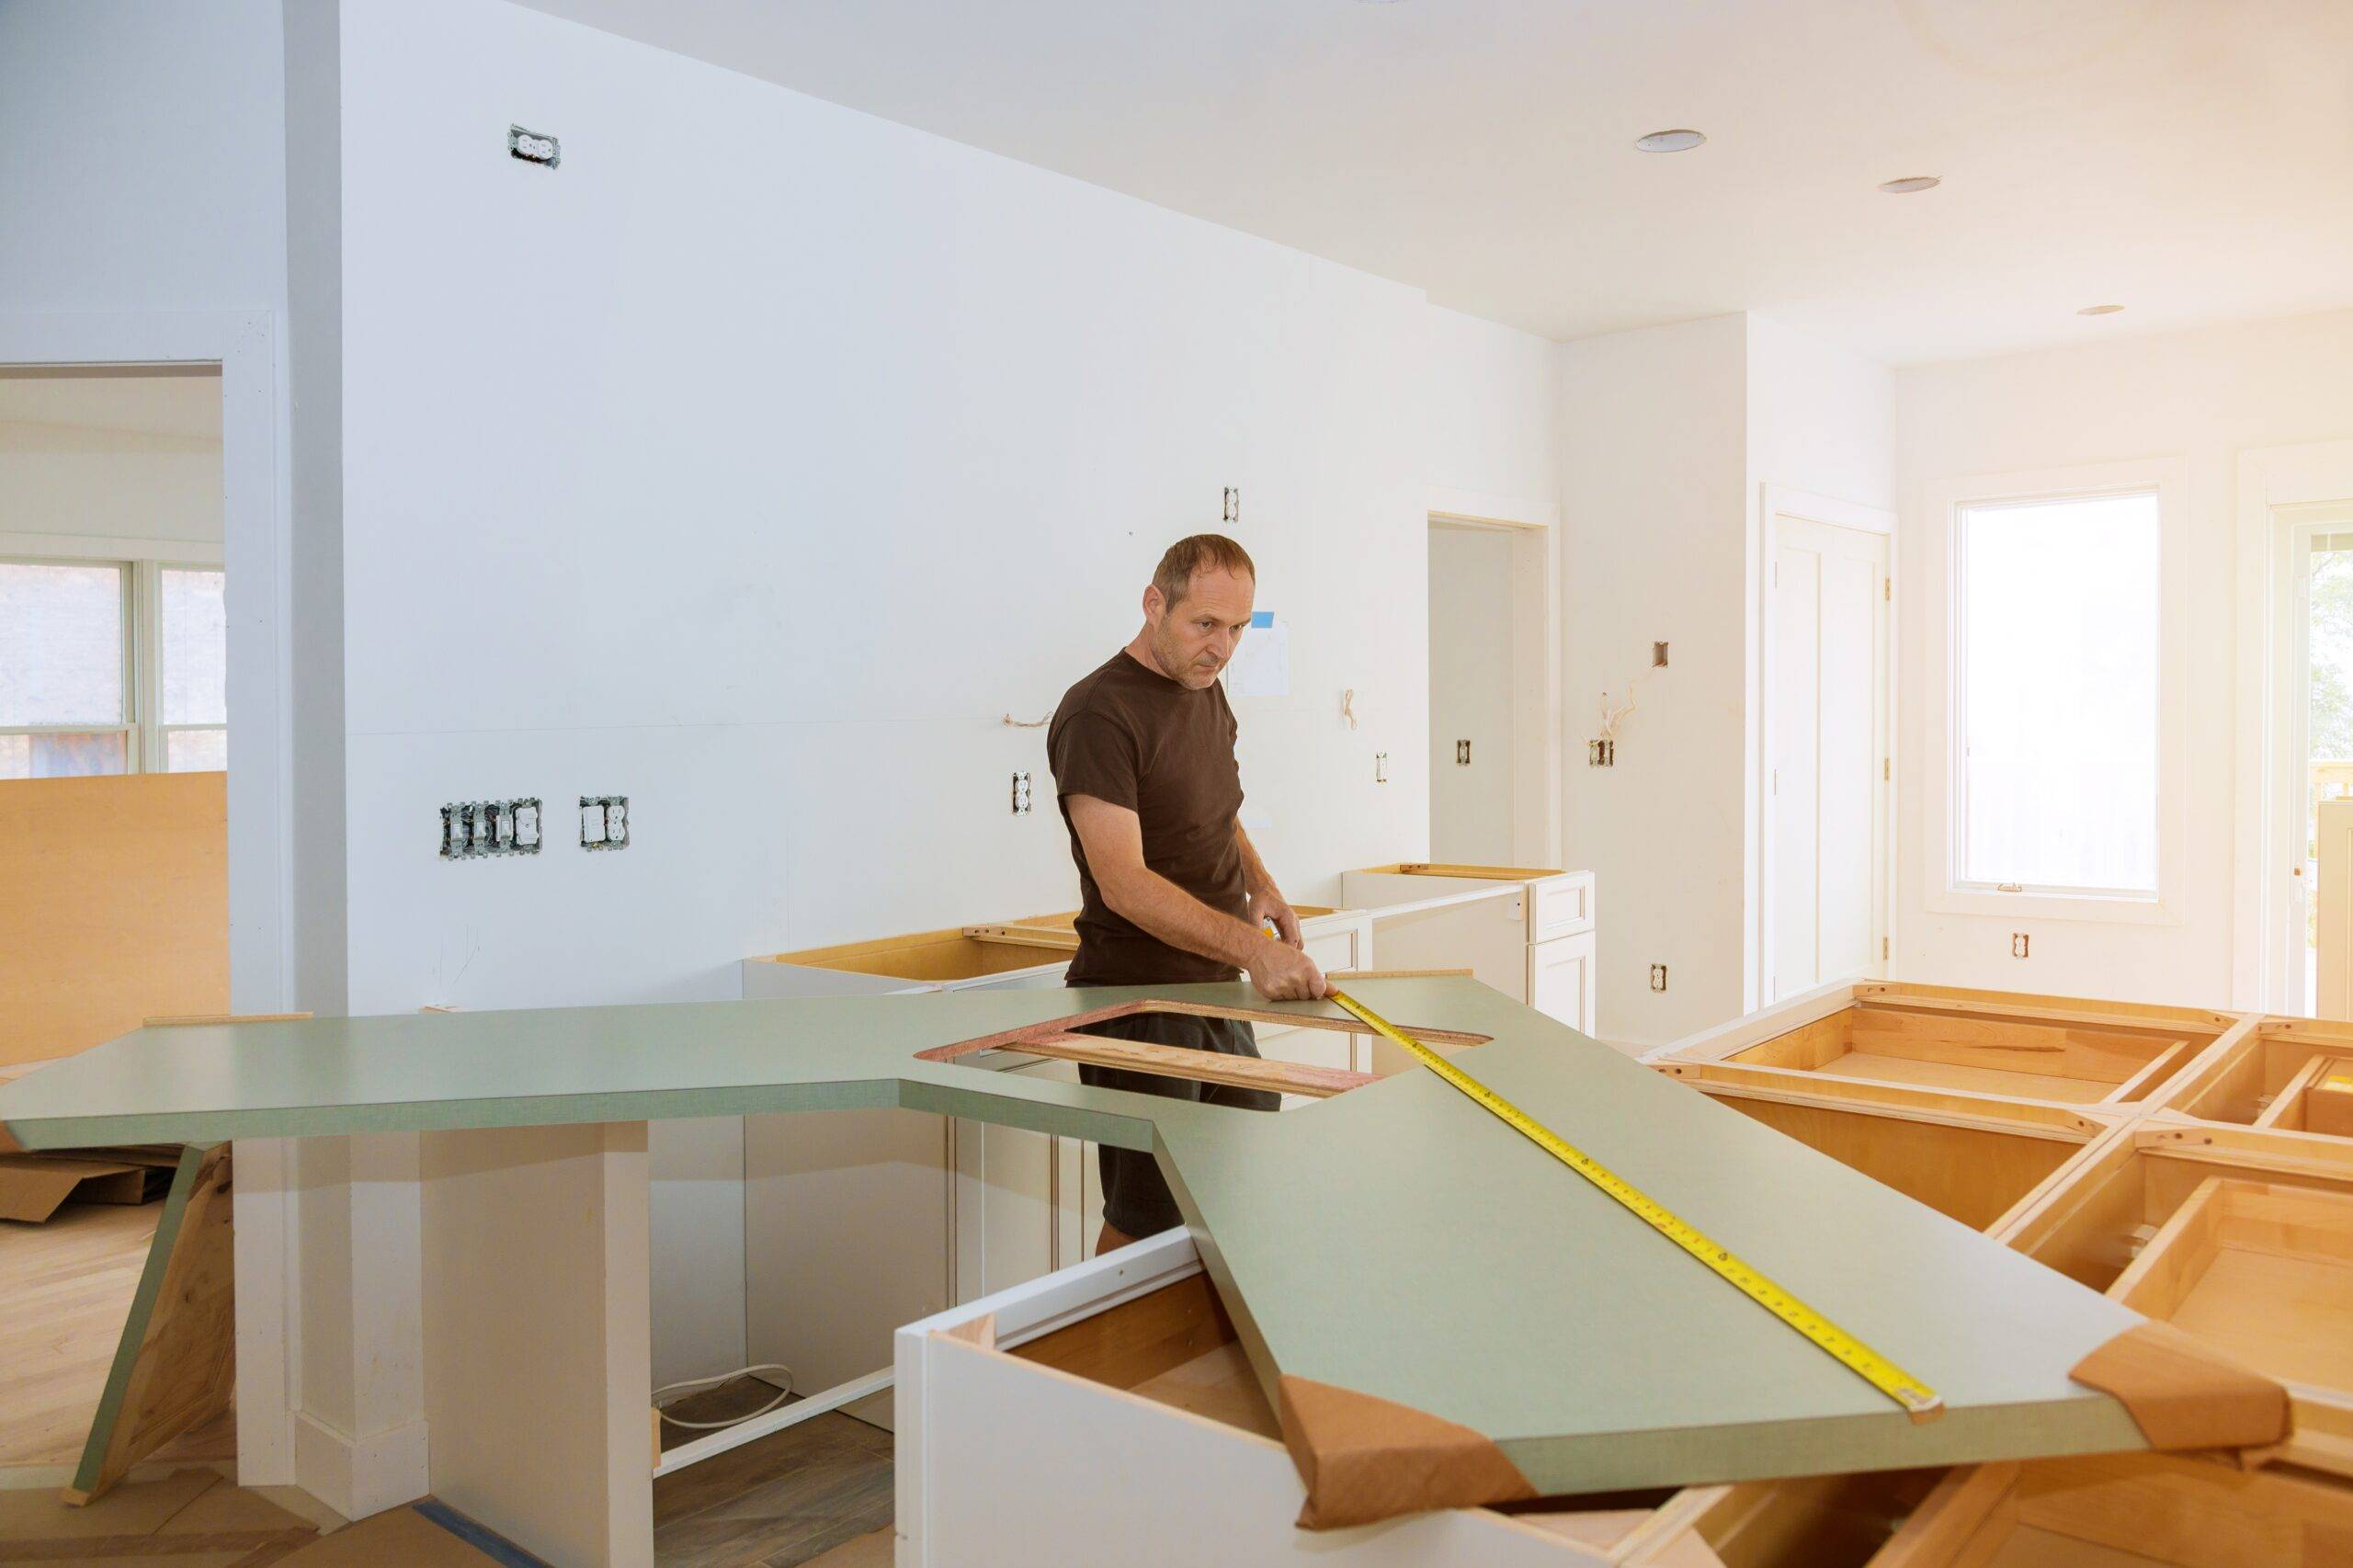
1883 949
1886 770
1887 589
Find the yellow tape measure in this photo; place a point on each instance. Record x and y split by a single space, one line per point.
1918 1399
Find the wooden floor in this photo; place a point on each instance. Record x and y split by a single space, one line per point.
823 1486
188 1519
68 1284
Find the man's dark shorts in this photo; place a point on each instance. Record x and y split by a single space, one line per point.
1136 1200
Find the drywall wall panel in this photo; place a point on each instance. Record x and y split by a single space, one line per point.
1653 518
2201 397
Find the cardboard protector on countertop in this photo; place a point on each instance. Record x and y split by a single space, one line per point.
1366 1459
2184 1395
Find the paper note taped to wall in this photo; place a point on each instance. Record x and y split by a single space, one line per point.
1261 662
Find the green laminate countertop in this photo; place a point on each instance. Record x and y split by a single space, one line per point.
1394 1239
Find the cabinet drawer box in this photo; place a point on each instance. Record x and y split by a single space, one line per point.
1560 907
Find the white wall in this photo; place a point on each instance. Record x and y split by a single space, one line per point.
1652 513
1490 421
1471 696
69 479
143 169
2201 397
922 420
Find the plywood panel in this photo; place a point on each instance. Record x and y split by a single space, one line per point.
114 905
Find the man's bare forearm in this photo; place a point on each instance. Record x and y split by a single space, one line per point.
1179 919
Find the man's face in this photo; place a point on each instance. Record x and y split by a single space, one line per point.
1192 639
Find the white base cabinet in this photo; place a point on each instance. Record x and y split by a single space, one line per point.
1526 932
1109 1456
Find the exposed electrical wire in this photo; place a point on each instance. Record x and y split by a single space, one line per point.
783 1394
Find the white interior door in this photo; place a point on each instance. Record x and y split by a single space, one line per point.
1828 781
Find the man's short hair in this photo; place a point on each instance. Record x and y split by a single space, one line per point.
1201 552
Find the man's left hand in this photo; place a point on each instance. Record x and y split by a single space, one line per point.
1270 909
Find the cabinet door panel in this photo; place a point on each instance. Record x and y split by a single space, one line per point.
1560 980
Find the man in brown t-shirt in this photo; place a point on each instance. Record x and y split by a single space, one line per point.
1171 891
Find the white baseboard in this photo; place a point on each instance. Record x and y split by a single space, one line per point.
359 1476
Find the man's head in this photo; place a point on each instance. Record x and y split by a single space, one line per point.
1197 608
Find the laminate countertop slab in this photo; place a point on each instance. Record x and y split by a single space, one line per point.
1395 1239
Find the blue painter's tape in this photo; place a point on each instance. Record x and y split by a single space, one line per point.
1262 618
481 1537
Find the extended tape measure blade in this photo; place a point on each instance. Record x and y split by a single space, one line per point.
1920 1400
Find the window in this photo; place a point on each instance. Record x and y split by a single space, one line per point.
2055 707
2056 681
111 666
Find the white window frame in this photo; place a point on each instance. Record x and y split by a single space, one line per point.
1941 846
142 625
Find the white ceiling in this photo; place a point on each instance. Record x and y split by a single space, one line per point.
178 404
2189 159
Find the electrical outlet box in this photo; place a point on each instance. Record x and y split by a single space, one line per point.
604 822
1462 754
1380 767
475 830
1021 794
2019 944
532 147
1601 754
1658 977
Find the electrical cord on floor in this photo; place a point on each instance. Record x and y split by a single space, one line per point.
783 1394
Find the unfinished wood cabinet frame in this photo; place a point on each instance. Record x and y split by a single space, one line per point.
2157 1508
2108 1057
2261 1076
2133 1216
2089 1221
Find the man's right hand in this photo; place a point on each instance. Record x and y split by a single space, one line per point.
1283 973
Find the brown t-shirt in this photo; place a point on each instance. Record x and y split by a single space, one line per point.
1131 736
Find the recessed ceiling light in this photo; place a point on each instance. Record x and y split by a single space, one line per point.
2099 309
1669 141
1910 184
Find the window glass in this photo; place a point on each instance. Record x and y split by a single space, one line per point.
2058 698
196 751
61 645
195 647
64 754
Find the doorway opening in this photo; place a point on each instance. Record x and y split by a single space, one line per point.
1494 727
2320 978
114 709
114 876
1827 762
